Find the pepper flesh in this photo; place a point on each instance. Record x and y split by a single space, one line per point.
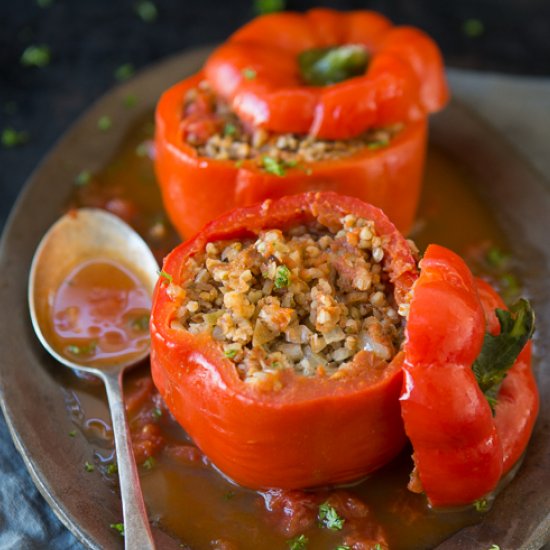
460 450
256 71
197 189
313 431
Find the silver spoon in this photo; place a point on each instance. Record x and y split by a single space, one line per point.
79 236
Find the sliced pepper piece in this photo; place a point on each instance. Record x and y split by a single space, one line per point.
312 431
197 189
258 72
460 450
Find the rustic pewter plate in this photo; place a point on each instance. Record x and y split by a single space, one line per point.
32 398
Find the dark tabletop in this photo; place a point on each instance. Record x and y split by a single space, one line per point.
89 40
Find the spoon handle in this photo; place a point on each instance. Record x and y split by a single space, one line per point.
137 532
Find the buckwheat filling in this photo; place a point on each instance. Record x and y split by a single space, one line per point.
307 299
216 132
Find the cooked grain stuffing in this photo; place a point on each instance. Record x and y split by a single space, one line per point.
216 132
307 299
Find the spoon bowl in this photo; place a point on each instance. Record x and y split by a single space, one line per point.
80 237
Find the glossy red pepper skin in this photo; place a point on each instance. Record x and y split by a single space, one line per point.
460 450
197 189
404 80
314 431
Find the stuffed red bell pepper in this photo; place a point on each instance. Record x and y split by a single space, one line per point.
301 102
469 400
276 337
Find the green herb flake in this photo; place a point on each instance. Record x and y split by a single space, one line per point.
157 413
346 547
496 257
83 178
36 56
141 323
499 352
323 66
282 277
118 527
298 543
230 353
124 72
239 163
230 495
329 518
273 166
375 145
481 505
229 129
89 467
130 101
147 11
87 349
249 74
495 547
12 138
261 7
104 123
377 546
72 433
473 27
112 469
149 464
168 279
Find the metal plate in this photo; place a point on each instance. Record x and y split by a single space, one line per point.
32 398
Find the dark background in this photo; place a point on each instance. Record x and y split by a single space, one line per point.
89 39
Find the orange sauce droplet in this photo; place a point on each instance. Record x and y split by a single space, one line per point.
99 315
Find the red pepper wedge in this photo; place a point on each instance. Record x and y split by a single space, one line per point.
313 431
460 450
197 189
257 72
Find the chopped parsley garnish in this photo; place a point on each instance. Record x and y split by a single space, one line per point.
481 505
323 66
13 138
166 276
377 546
499 352
130 100
377 144
282 277
83 178
141 323
298 543
147 11
72 433
112 468
124 72
104 123
229 495
229 129
230 353
473 27
261 7
89 467
157 413
36 56
119 527
329 518
496 257
346 547
249 74
149 464
86 349
273 166
495 547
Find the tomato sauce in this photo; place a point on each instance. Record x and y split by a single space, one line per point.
184 493
99 315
